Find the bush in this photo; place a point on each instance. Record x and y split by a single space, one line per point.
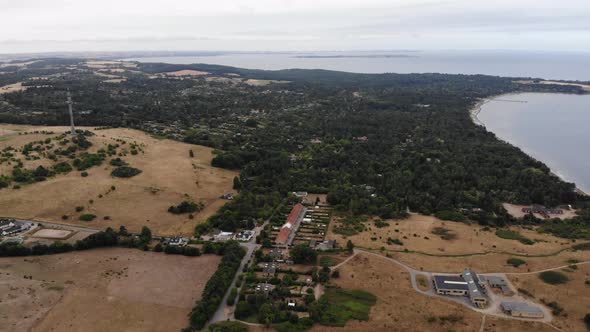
84 174
582 246
125 172
79 208
118 162
587 320
391 241
445 234
228 326
512 235
516 262
62 167
87 217
186 207
553 277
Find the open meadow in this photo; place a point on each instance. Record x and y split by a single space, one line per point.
446 246
101 290
169 175
400 308
571 298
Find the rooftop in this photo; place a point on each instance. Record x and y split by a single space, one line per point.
520 307
450 282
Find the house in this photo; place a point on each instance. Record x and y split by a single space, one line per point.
6 223
326 245
177 241
521 309
245 236
224 236
500 283
300 194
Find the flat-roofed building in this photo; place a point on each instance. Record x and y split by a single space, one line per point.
500 283
467 284
450 285
477 291
521 309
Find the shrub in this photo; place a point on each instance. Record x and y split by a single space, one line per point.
516 262
87 217
62 167
79 208
444 233
512 235
391 241
125 172
186 207
118 162
84 174
553 277
582 246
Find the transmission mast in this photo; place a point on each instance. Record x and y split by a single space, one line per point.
69 102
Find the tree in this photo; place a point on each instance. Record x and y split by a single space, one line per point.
303 254
350 247
587 320
123 231
146 234
191 153
266 314
237 183
158 248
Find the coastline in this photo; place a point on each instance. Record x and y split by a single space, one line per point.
477 108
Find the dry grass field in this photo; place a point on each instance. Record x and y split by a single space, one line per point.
488 263
573 296
185 72
400 308
12 88
169 176
101 290
416 232
418 235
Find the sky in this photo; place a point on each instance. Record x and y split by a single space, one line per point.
293 25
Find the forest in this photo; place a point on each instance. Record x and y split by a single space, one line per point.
379 144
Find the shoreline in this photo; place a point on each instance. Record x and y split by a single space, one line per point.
477 108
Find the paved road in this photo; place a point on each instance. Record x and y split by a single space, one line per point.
495 298
225 312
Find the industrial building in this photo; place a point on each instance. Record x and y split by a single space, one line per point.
521 309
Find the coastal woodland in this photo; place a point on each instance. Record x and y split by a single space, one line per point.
375 144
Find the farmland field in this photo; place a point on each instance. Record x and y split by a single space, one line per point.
99 290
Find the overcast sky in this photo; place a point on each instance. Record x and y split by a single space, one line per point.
292 25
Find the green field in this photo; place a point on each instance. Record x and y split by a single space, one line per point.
340 305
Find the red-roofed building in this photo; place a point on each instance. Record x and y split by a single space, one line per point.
290 226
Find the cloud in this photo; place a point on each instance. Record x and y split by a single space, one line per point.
288 24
